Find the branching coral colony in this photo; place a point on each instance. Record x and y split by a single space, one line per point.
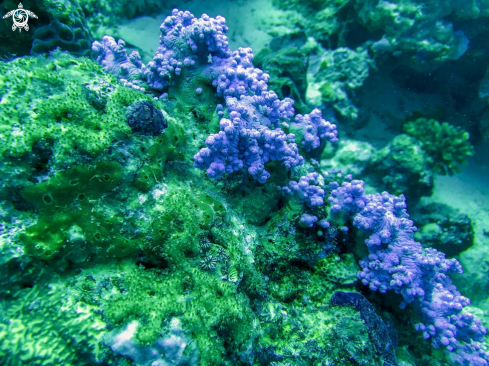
194 56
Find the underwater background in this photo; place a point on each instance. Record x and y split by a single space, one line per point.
234 182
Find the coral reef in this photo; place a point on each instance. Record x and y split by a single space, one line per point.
241 80
182 211
416 31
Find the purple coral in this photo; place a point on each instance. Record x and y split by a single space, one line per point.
246 140
314 130
307 190
349 198
113 57
186 41
307 220
251 136
237 76
324 224
396 262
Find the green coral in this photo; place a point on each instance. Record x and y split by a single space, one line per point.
33 340
69 221
354 337
446 145
154 153
333 273
83 210
179 221
67 29
256 202
305 337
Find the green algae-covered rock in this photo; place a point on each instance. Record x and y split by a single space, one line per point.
60 110
203 302
44 104
67 214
